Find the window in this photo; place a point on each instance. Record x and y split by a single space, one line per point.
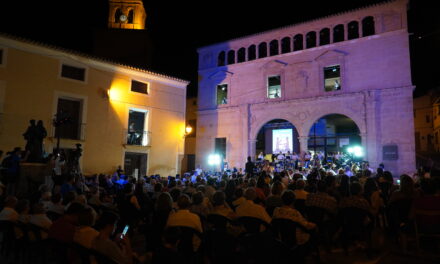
285 45
241 55
428 119
338 33
220 147
252 52
368 26
231 57
262 50
136 133
139 87
311 39
221 59
1 56
118 13
74 73
324 37
353 30
332 78
273 47
69 119
130 16
274 87
298 42
222 94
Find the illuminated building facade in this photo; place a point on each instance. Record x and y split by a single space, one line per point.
354 64
121 115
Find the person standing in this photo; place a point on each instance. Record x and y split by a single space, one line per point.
250 166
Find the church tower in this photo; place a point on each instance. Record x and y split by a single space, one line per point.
126 14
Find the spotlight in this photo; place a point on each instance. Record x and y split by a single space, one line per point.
213 159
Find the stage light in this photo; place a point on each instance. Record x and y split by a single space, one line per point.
188 129
214 159
356 151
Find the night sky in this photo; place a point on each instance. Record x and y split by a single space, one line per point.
178 29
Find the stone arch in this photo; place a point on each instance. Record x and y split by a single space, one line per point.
257 125
221 59
117 14
130 16
357 118
368 27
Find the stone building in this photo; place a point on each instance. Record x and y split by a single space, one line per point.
121 115
355 64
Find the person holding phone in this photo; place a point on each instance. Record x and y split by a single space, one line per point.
119 249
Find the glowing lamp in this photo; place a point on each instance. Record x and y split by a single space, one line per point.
188 129
214 159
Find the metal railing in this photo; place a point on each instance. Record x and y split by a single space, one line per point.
137 138
70 131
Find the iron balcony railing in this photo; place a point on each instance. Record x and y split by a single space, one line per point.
137 138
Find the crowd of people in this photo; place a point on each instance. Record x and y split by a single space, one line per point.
218 211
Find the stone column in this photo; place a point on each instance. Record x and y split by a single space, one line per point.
252 149
364 145
303 143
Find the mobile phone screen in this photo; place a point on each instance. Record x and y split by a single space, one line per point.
124 232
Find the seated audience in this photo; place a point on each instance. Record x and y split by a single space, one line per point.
8 213
287 211
63 229
183 217
118 250
85 233
249 208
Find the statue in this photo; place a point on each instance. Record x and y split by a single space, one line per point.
34 137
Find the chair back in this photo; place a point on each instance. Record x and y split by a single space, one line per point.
300 205
218 222
353 220
315 214
285 231
251 224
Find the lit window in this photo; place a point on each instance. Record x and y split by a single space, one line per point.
274 87
332 78
72 72
222 94
139 87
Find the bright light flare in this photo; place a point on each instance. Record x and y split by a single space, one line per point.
213 159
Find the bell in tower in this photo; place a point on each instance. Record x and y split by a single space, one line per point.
126 14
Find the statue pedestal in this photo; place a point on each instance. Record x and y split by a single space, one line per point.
32 175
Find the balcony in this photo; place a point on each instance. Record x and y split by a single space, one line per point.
137 138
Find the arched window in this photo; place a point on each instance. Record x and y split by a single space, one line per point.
252 52
285 45
338 33
324 36
273 48
221 59
311 39
118 13
368 26
231 57
298 42
353 30
241 55
262 50
131 16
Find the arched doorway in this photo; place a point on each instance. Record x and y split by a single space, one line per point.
277 135
335 133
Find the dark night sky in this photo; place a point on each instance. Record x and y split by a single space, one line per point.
178 29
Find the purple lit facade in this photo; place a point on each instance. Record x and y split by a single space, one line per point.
369 48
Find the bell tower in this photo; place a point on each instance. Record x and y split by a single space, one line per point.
126 14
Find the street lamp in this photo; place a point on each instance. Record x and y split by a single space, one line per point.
188 130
